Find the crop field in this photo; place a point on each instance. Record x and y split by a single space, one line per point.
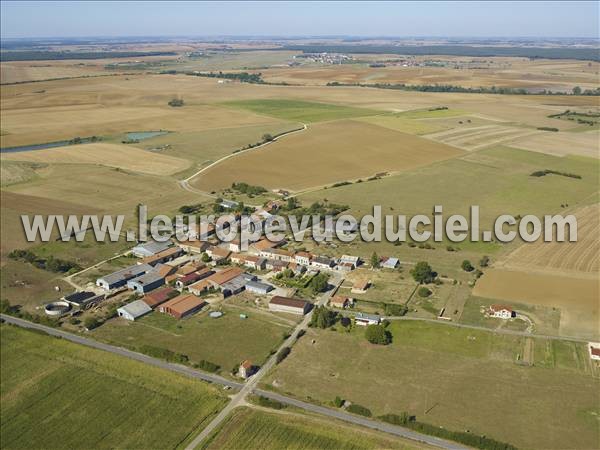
23 71
561 144
225 341
249 428
444 375
576 297
398 123
300 111
582 257
475 138
56 394
305 159
113 155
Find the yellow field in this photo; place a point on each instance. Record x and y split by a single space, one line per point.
561 144
582 257
326 153
478 137
113 155
576 297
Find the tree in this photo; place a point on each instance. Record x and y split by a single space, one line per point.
576 90
484 262
338 402
205 258
422 273
267 137
319 283
424 292
467 266
377 334
375 261
322 317
292 203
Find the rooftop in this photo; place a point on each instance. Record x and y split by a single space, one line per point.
288 301
136 309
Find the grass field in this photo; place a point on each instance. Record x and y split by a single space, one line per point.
301 111
226 341
457 378
248 428
56 394
327 153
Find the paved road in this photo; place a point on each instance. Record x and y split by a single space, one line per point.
247 388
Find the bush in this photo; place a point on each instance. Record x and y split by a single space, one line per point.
377 334
268 403
423 292
360 410
396 419
467 266
208 366
91 322
283 353
338 402
392 309
176 102
322 317
422 273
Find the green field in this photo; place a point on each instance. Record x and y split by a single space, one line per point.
247 428
225 341
56 394
461 379
301 111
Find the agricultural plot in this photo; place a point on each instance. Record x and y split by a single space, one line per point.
581 257
478 137
248 428
225 341
301 111
404 125
120 156
561 144
307 159
577 298
56 394
386 286
443 375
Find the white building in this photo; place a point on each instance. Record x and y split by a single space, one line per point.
364 320
594 349
501 311
134 310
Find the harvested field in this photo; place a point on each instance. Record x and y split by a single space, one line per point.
562 143
576 297
355 149
12 172
482 136
113 155
582 257
410 126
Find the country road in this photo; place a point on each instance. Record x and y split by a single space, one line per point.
246 388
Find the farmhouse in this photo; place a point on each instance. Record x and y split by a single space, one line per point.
303 258
277 254
218 254
120 277
150 248
246 369
193 277
182 305
321 262
161 257
289 305
158 296
501 311
220 278
200 287
339 301
348 260
256 287
360 287
83 299
389 263
133 310
146 282
363 319
345 267
264 244
276 266
594 349
164 270
193 246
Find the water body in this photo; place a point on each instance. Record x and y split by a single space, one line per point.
29 148
143 135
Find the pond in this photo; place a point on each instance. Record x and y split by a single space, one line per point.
143 135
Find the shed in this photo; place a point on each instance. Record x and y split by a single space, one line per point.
134 310
256 287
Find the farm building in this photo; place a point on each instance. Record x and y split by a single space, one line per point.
150 248
321 262
133 310
120 277
389 263
246 369
158 296
234 286
289 305
200 287
164 270
164 256
276 266
277 254
256 287
224 276
303 258
501 311
83 299
146 282
228 204
234 246
218 254
193 277
264 244
349 260
182 305
250 261
360 286
193 246
594 349
366 319
345 267
339 301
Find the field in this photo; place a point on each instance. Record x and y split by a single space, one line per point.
457 378
576 297
561 144
305 159
248 428
113 155
475 138
60 395
226 341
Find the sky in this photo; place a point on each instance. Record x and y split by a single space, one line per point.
446 18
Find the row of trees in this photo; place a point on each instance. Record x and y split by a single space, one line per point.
51 263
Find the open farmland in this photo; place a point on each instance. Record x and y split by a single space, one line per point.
452 377
475 138
303 160
226 341
112 155
577 297
561 144
56 394
249 428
